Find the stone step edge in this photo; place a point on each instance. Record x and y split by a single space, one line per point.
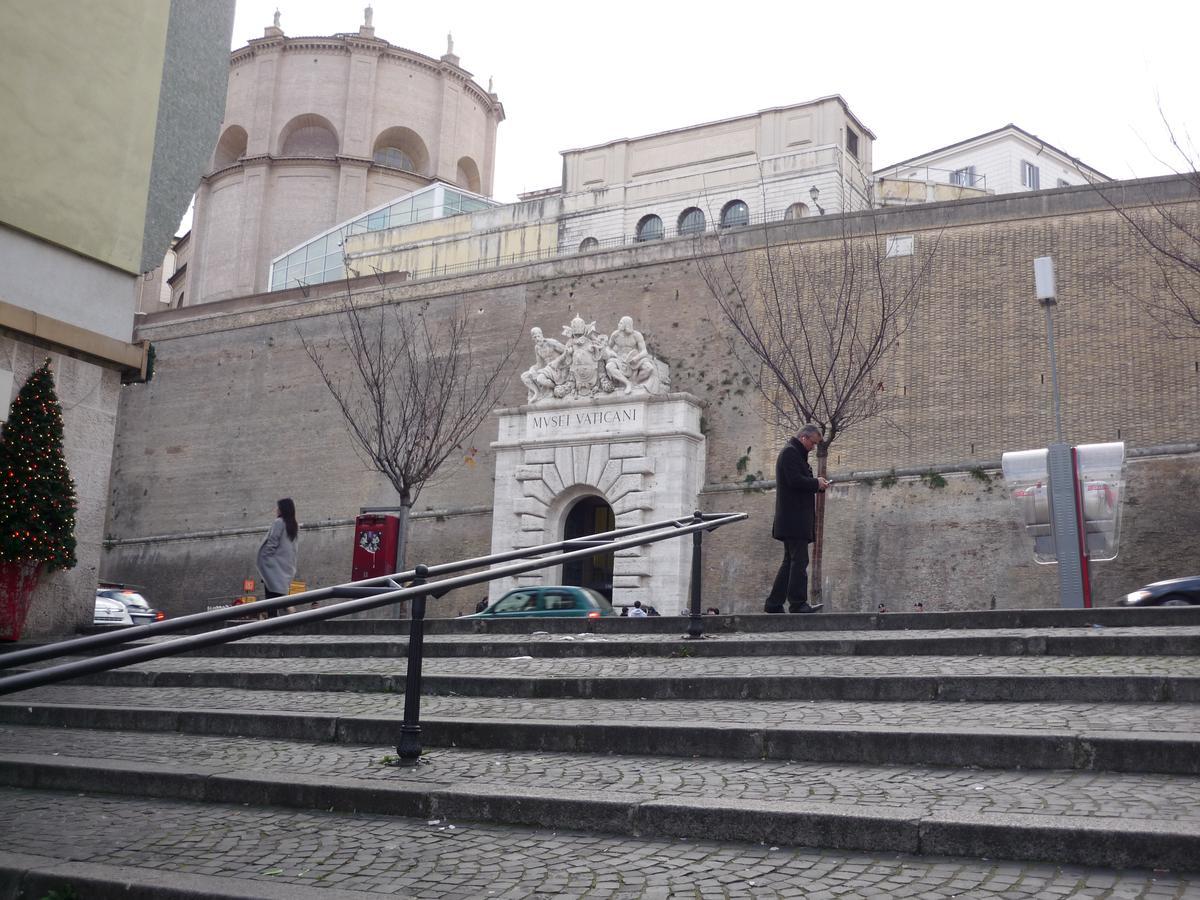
1112 842
894 644
31 875
1158 753
942 688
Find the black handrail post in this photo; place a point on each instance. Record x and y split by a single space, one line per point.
409 748
696 625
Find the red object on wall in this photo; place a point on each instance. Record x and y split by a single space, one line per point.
376 539
17 581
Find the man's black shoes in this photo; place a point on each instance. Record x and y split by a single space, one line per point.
772 609
806 608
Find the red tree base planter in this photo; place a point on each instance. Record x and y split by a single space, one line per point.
17 581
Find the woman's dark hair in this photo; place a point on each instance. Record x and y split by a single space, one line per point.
287 512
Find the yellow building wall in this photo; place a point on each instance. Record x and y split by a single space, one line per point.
449 245
77 148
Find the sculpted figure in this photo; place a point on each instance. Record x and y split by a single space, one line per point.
636 362
612 364
547 371
276 20
587 363
368 16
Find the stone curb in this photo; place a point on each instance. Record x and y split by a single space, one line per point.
953 688
1108 842
1110 617
24 876
874 745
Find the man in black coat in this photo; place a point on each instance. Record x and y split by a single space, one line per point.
795 521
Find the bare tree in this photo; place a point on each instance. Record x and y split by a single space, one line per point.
1167 228
813 323
411 386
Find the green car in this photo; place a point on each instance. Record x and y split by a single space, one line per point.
552 600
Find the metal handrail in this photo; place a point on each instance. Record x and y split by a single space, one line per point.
182 623
409 745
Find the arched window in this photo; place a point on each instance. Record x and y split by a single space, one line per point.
735 213
401 148
308 135
394 157
468 175
796 211
691 221
588 244
649 228
231 147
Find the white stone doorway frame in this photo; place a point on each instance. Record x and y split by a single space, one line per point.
647 463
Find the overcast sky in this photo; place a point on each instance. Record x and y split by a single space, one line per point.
1085 77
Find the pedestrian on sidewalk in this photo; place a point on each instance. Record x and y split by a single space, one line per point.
636 611
277 553
796 491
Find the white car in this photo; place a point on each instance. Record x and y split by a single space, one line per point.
111 613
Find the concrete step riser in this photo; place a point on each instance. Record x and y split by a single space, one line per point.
981 688
1090 645
1110 843
875 746
1109 617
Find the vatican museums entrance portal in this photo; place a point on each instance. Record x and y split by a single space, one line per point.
591 515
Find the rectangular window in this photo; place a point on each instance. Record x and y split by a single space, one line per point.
852 142
1030 176
964 177
900 245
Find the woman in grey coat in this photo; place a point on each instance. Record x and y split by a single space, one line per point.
277 554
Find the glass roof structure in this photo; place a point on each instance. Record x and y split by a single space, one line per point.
321 258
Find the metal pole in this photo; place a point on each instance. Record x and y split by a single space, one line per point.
696 624
1053 373
409 748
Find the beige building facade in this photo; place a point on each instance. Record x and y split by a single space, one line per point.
318 130
109 109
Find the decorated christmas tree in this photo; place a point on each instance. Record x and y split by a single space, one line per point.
37 498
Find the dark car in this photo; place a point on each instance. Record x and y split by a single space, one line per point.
140 611
1173 592
548 600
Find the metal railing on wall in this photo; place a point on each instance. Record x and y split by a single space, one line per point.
413 584
593 246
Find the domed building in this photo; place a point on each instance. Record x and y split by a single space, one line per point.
318 130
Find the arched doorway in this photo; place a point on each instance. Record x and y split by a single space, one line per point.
591 515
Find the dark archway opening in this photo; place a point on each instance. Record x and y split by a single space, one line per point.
591 515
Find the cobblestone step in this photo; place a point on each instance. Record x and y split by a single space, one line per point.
176 849
1128 679
1124 641
1112 737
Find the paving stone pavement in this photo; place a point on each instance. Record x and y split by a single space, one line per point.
449 861
922 789
1180 631
1179 718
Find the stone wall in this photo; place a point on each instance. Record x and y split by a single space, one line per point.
236 416
65 600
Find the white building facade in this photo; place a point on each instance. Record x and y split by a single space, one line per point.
1008 160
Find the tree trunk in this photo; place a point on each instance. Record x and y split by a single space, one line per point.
815 579
400 610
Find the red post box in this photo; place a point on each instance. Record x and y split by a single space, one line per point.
375 543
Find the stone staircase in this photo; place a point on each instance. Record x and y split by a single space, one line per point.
1010 753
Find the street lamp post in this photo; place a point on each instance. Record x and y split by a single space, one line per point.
1043 281
1060 460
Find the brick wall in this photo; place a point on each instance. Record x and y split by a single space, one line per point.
236 417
